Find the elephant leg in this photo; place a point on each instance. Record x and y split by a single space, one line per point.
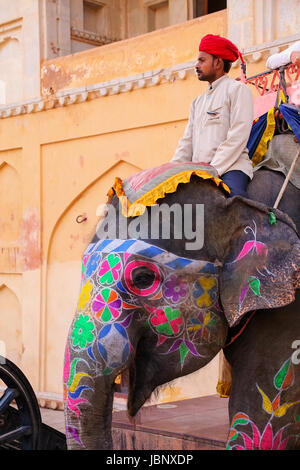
264 405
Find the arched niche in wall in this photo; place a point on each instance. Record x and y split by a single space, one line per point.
67 244
10 204
11 69
10 325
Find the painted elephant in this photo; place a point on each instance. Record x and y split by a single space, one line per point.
162 309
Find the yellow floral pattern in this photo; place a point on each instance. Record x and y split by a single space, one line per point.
85 295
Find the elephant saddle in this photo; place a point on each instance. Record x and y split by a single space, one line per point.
143 189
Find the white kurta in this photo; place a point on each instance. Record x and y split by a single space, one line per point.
219 126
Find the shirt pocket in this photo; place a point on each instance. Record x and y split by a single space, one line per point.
214 115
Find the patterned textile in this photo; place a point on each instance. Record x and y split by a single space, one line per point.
263 130
159 255
146 187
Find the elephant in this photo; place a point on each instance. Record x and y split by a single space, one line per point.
162 309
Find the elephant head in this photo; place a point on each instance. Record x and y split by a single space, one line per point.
162 309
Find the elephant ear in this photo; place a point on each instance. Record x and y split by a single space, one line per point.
262 268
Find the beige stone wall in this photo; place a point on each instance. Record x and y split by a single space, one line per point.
153 51
19 51
54 25
35 30
253 22
93 22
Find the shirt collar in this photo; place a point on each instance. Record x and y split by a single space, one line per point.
213 85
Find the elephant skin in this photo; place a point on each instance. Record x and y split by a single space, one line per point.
163 311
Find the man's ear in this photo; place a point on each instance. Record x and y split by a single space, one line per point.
262 266
219 63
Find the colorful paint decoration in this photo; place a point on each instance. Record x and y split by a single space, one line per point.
91 264
73 387
110 269
107 305
251 248
85 295
205 291
201 326
266 439
114 290
109 288
82 332
175 289
153 286
115 333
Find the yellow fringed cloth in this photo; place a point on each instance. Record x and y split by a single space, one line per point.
143 189
225 377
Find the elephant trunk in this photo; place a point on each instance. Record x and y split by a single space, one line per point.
92 431
88 404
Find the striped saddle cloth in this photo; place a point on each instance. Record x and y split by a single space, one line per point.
143 189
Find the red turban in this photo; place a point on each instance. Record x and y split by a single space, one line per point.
220 47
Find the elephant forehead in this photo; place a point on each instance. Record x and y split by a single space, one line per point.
155 253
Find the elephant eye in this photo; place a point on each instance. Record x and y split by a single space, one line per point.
142 277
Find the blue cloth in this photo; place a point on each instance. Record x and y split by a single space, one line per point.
257 131
291 115
237 181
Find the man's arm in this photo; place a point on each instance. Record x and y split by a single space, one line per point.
184 150
283 57
241 119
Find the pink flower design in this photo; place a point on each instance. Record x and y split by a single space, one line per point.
264 441
110 269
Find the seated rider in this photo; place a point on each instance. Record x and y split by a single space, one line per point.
221 118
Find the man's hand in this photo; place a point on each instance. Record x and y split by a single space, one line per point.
295 58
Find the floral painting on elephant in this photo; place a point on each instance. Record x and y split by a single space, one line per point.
111 299
244 434
179 313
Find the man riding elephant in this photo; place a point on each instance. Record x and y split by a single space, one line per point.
221 118
161 309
